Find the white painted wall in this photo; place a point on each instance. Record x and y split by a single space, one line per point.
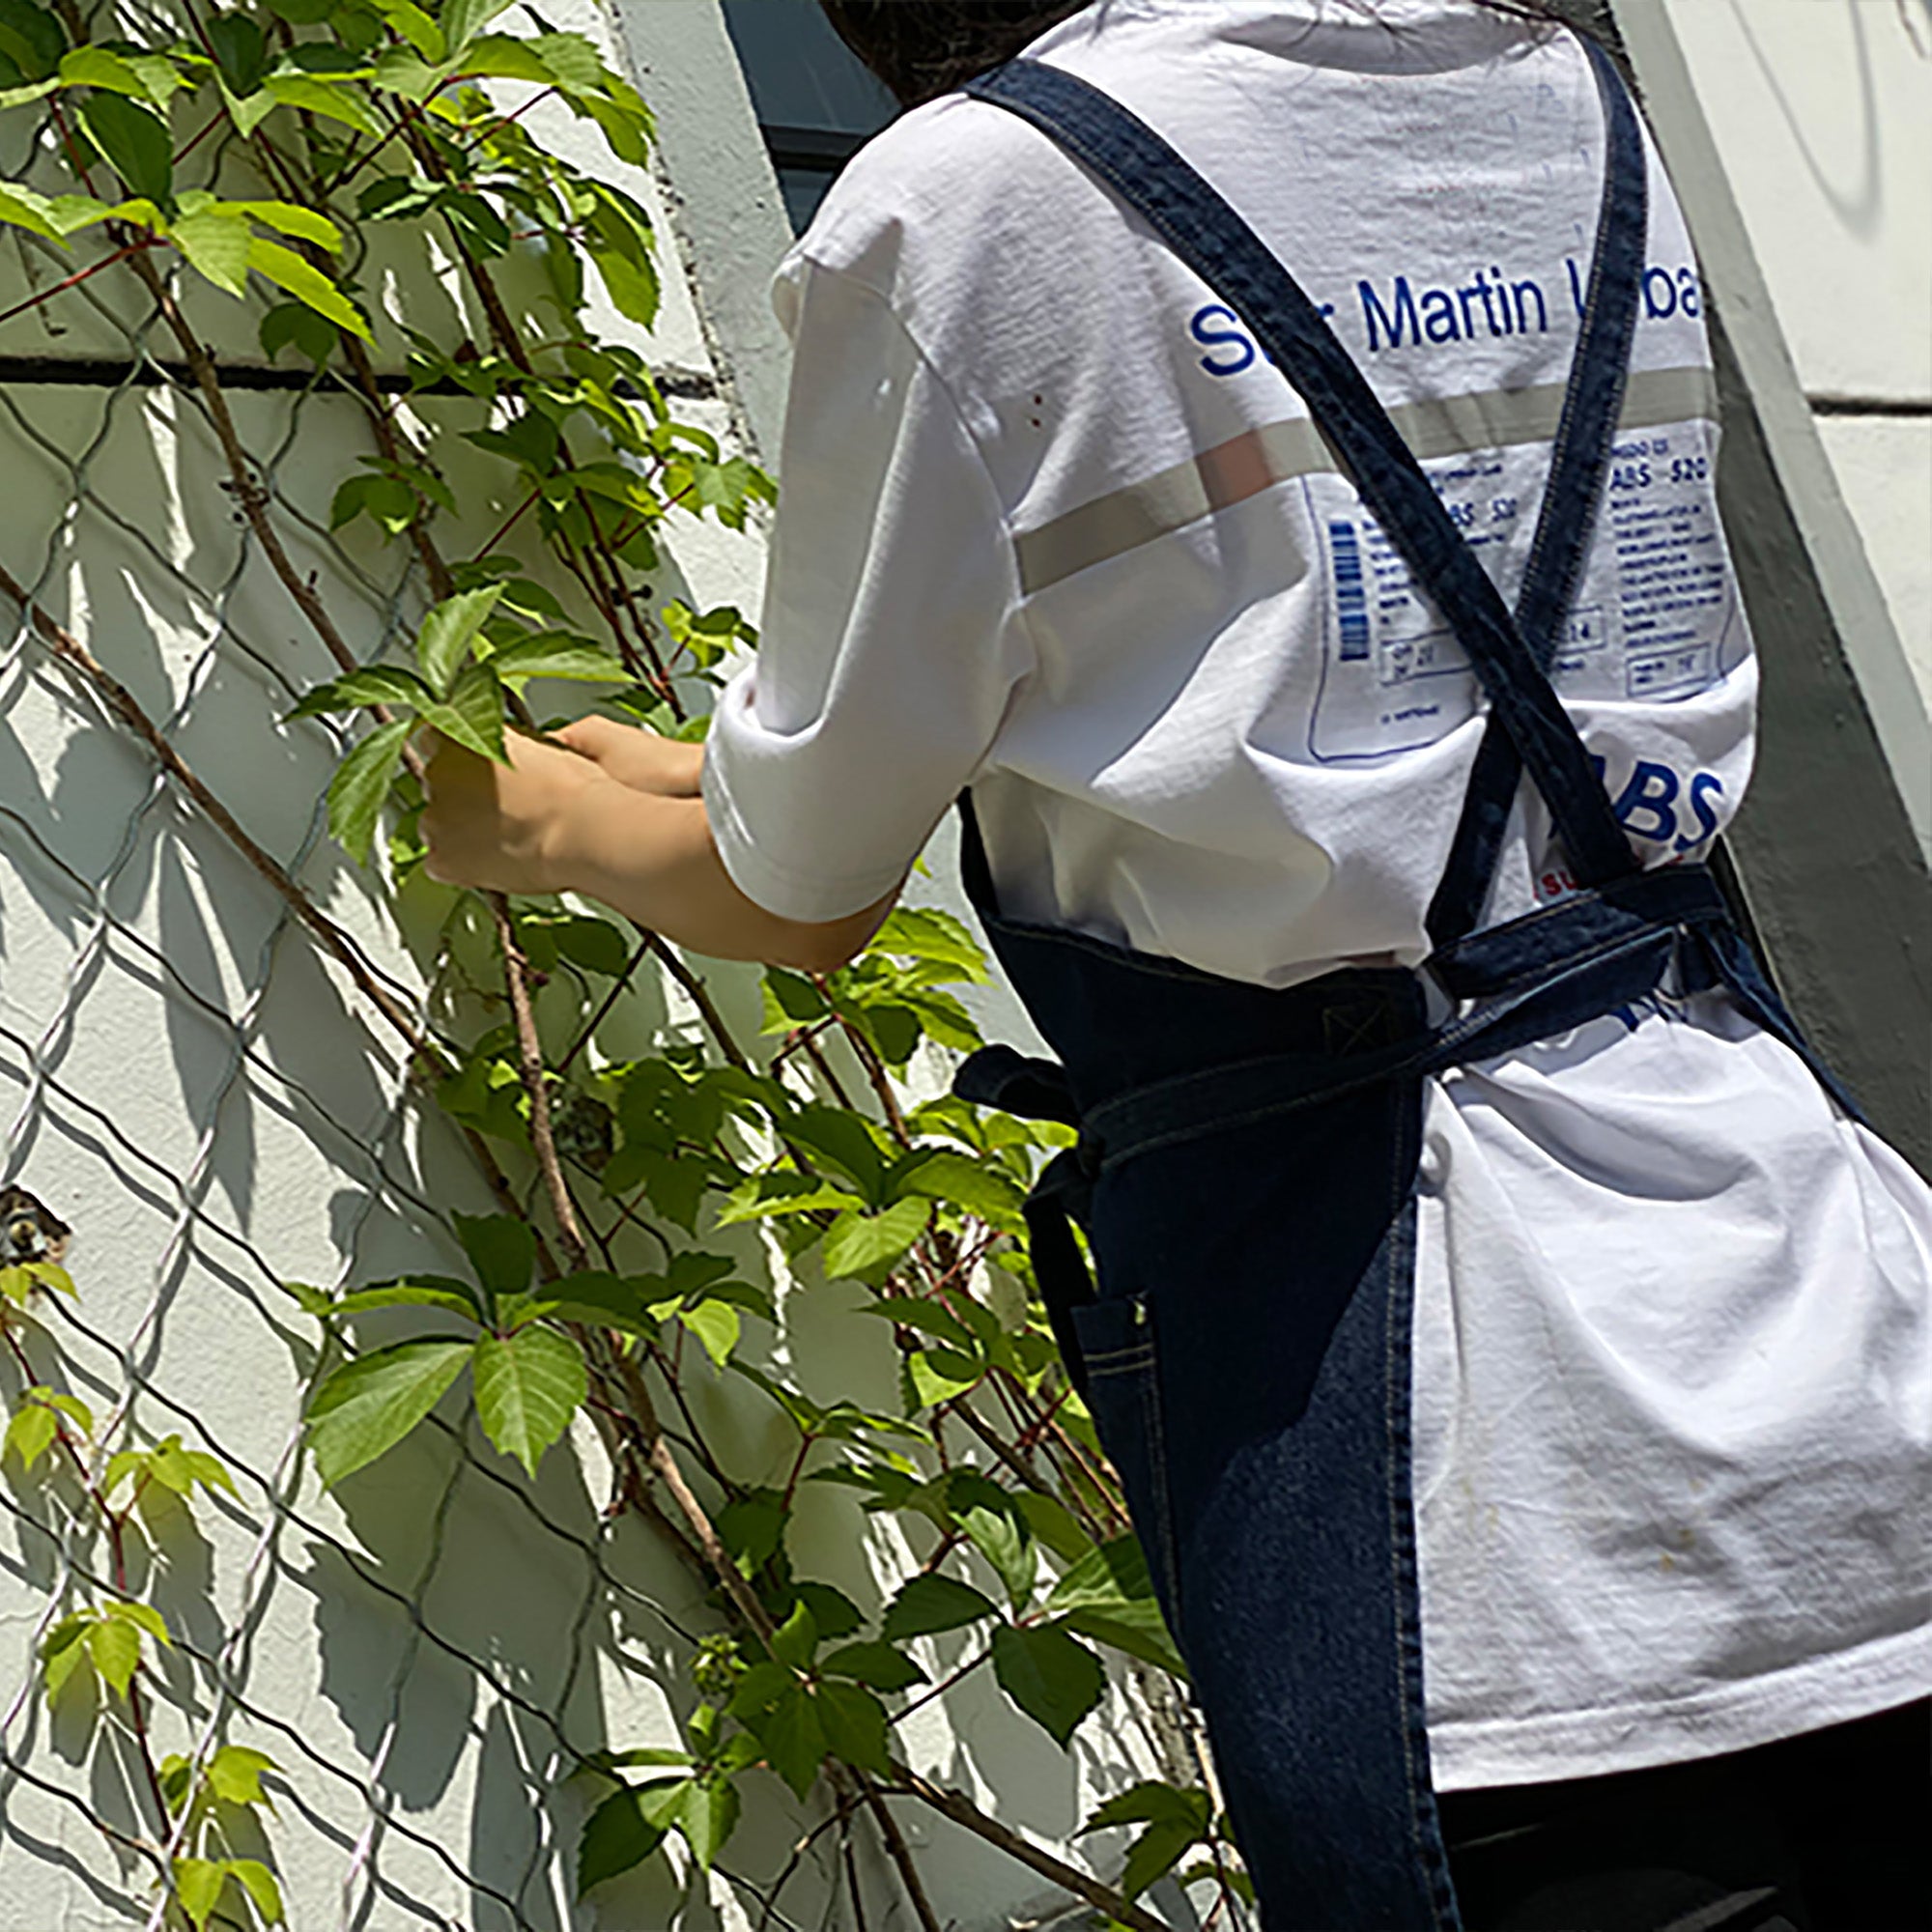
1799 135
1823 111
214 1110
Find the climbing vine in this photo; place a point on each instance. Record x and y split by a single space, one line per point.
336 157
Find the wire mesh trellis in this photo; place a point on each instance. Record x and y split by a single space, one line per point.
195 1093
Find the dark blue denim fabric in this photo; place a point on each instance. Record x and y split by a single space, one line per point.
1246 1162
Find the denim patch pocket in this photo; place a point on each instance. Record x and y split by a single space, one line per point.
1117 1348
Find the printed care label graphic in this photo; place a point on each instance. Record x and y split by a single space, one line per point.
1651 620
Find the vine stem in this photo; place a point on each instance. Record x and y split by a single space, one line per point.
249 490
699 996
79 276
961 1809
900 1852
537 1084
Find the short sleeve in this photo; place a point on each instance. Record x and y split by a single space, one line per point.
891 638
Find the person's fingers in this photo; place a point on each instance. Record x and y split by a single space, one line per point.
596 738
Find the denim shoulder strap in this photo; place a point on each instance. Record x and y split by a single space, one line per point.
1572 494
1208 234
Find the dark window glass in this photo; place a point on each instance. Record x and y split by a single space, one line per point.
816 104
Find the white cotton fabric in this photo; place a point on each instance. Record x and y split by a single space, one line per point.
1053 527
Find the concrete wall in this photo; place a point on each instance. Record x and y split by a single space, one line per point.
1797 133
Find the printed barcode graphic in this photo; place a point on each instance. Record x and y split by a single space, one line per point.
1351 598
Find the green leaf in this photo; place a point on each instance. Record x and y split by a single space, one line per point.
559 657
707 1814
616 1839
442 645
929 1317
796 1000
312 95
136 144
64 1651
218 246
835 1613
1108 1595
942 1375
234 1775
463 20
240 51
259 1883
502 1248
373 684
716 1325
1152 1802
862 1245
29 1432
594 943
796 1639
1112 1578
31 37
291 325
605 1299
387 501
288 271
367 1406
414 26
307 223
961 1181
932 1602
1054 1678
1177 1821
444 1291
1007 1543
847 1141
26 207
918 932
114 1644
856 1726
56 218
52 1276
362 783
793 1739
878 1664
143 1616
630 283
474 715
99 67
528 1386
198 1885
751 1527
765 1196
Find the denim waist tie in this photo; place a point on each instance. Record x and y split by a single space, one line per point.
1246 1162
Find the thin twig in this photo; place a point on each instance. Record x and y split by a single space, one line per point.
900 1852
963 1812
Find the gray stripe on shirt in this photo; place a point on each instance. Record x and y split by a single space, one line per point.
1257 458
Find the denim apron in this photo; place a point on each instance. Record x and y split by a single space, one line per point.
1245 1168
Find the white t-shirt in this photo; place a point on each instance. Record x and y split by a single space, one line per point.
1054 526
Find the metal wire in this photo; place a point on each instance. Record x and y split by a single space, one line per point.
337 1643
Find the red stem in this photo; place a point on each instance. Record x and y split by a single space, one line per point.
80 275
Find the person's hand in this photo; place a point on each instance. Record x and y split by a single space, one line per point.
497 827
635 758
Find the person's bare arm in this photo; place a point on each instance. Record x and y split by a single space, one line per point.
555 820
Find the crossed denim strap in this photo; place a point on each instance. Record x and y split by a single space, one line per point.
1573 496
1208 234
